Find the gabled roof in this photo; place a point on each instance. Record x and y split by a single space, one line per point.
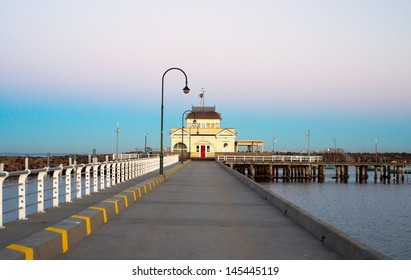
226 133
177 133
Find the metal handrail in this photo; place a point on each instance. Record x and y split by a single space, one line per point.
65 183
273 158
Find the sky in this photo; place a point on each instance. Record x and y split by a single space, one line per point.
71 70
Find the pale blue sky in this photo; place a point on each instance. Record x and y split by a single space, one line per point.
70 70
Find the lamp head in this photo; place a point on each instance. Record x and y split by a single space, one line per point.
186 90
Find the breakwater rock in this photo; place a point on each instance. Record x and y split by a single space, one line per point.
15 163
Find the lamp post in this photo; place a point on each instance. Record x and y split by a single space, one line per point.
335 150
117 131
376 150
274 140
185 90
189 141
308 135
145 142
182 133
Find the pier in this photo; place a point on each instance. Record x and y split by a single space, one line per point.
196 210
291 167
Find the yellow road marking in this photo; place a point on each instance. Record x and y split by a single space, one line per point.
88 222
125 198
115 204
101 209
134 194
64 238
29 252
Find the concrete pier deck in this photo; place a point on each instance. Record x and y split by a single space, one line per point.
201 212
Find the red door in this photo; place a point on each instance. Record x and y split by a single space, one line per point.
203 151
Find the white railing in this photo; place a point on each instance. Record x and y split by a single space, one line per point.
22 195
274 158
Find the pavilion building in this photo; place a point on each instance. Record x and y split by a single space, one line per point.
203 137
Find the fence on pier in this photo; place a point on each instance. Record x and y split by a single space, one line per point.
273 158
29 191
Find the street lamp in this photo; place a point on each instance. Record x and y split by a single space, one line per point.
117 131
274 140
308 135
194 123
145 142
182 133
376 150
185 90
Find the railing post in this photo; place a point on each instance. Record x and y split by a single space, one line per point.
22 195
108 175
2 178
87 179
118 172
143 166
56 176
68 183
40 190
102 177
122 170
131 169
95 177
126 170
138 167
78 181
113 173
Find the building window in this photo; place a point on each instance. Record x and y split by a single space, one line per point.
208 149
225 147
203 125
197 149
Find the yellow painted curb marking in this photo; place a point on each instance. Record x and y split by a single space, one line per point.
115 204
145 189
138 189
64 238
125 198
88 222
101 209
29 252
134 194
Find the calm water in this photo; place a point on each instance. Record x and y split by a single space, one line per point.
376 214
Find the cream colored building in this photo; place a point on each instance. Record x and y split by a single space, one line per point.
203 136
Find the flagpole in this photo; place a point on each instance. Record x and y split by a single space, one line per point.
202 96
